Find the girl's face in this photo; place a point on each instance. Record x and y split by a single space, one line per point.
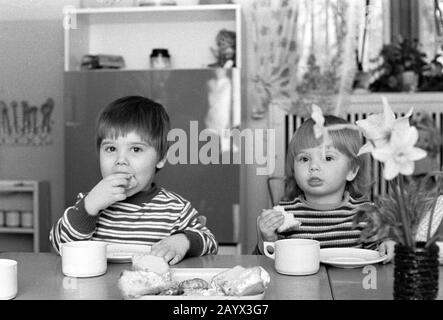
323 179
130 154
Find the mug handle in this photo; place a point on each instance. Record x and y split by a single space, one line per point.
265 248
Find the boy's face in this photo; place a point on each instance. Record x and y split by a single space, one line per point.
323 179
130 154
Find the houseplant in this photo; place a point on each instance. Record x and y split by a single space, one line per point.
407 214
400 68
400 214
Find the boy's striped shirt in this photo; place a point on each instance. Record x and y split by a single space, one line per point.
144 218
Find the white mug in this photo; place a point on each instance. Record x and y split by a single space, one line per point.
83 258
295 256
8 279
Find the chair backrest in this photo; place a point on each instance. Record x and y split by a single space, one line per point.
361 107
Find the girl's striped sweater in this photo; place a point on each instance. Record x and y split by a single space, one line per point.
332 225
144 218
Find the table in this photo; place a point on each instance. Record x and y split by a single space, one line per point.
40 277
355 284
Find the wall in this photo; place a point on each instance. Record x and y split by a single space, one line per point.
31 68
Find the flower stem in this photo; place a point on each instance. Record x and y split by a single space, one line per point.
399 194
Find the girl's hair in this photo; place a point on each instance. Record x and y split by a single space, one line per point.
135 113
347 141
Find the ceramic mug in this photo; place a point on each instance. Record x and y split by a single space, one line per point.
8 279
295 256
84 258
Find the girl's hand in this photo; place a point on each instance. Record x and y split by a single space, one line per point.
109 190
387 248
268 222
173 248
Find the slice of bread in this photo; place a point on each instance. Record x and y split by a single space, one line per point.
290 222
133 284
240 281
147 262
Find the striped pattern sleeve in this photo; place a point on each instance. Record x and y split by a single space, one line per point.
201 239
75 225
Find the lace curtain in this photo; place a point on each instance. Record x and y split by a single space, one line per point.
431 28
302 52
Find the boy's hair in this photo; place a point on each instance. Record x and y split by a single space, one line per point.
347 141
135 113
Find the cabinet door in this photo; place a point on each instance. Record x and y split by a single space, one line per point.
213 189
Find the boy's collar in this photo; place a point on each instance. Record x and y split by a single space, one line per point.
143 196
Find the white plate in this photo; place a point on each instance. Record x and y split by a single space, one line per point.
350 257
181 274
122 253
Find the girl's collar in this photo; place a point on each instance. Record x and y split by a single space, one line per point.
329 206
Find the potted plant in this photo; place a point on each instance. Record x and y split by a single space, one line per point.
401 66
410 213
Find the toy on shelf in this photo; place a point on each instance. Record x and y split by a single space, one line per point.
225 51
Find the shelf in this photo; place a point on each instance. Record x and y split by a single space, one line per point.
155 14
188 32
409 97
16 186
16 189
419 101
205 69
16 230
25 195
156 9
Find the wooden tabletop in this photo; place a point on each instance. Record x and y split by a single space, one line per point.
40 277
374 282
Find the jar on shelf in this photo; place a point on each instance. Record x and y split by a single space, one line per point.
2 218
160 58
27 219
12 219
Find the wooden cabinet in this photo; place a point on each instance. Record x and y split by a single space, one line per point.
187 89
188 32
24 216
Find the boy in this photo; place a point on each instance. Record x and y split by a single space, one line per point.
126 206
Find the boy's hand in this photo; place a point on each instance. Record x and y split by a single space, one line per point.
387 247
109 190
268 222
173 248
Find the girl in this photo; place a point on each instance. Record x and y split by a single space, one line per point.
326 184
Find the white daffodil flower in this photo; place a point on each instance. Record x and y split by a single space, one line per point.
378 128
399 154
